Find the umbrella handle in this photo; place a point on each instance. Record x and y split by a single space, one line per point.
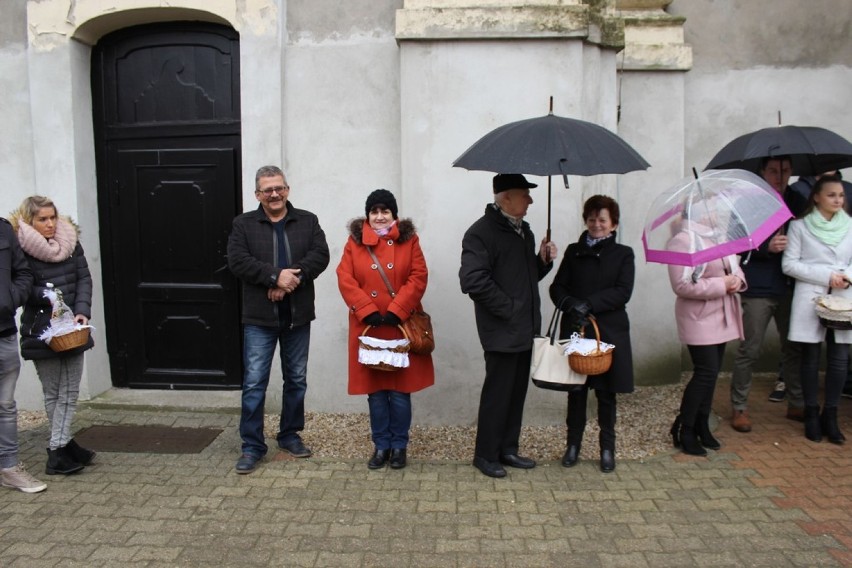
547 258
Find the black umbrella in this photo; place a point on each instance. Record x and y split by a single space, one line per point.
813 150
551 145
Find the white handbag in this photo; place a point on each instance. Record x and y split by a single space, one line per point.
549 367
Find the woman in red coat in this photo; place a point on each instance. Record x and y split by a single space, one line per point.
396 245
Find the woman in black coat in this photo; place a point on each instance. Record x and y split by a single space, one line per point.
596 277
52 247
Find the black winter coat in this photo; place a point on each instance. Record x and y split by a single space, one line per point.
762 268
603 276
73 278
16 278
500 271
253 258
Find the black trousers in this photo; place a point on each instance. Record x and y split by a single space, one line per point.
698 394
836 369
501 405
576 418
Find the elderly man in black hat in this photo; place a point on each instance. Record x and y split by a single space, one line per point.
500 271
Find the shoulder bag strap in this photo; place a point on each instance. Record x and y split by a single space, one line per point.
382 272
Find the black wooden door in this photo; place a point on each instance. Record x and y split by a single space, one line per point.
166 106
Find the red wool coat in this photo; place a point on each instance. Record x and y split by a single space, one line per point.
365 292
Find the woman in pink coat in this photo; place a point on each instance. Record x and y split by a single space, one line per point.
707 310
396 245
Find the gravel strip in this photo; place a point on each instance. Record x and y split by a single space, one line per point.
644 418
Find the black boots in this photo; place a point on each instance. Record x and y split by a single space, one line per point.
78 453
60 462
379 459
607 460
675 432
689 441
828 423
813 430
398 458
702 431
572 454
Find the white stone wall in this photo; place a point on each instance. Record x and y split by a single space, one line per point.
350 96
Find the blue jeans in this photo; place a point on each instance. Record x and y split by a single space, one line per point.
390 419
258 350
10 366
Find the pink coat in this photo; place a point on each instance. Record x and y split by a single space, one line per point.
706 314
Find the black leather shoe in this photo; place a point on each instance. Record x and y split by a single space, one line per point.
491 469
572 455
246 464
514 460
296 448
379 459
397 458
607 461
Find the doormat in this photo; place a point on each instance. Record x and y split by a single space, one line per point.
146 439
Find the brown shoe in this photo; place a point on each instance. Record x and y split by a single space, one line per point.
797 414
740 421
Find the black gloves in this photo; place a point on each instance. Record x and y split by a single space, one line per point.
374 319
392 320
576 312
578 316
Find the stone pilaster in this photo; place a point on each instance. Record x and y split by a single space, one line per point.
653 38
592 21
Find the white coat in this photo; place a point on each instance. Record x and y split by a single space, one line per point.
811 262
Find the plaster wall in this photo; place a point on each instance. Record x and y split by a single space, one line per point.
453 93
331 95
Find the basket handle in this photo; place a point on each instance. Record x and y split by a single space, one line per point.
594 323
404 335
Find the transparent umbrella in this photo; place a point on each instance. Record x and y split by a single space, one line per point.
723 212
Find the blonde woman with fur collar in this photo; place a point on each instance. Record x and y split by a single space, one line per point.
52 247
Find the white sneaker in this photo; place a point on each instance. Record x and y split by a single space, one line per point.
779 393
18 478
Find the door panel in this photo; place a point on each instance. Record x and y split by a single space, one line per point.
175 297
166 110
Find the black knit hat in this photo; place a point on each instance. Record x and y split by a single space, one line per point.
381 197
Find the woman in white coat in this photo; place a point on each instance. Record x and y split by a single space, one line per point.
818 256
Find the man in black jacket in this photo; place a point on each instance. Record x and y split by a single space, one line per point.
277 251
500 271
16 279
769 296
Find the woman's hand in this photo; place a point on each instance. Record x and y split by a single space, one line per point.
81 319
732 283
838 280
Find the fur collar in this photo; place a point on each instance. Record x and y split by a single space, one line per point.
406 228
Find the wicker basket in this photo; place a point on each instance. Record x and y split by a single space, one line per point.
76 338
381 365
832 319
594 363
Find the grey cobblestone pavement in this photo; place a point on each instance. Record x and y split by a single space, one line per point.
193 510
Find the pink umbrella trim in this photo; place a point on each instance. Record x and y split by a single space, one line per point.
719 251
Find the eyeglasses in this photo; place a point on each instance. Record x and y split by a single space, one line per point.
279 189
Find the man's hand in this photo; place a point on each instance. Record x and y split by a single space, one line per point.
778 243
547 251
288 279
275 294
